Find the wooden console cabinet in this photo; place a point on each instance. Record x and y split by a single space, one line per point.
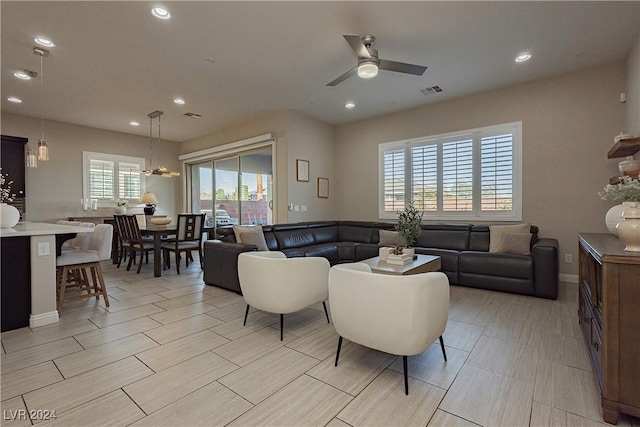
609 314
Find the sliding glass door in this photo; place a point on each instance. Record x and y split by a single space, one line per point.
235 189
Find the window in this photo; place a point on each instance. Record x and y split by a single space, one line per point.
109 177
473 174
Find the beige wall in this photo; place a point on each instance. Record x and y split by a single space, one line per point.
54 188
310 140
298 137
633 91
568 125
275 122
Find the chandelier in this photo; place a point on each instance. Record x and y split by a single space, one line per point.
160 170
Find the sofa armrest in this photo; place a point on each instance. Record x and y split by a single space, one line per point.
545 264
221 263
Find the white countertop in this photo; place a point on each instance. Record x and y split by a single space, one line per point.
41 229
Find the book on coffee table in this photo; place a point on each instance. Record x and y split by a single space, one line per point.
401 259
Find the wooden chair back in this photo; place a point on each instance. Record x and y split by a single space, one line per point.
190 227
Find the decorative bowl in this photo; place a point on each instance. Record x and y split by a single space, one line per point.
160 220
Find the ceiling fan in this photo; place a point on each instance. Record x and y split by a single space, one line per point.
369 63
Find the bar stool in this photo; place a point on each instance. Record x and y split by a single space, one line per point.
75 266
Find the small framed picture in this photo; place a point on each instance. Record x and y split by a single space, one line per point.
323 187
302 170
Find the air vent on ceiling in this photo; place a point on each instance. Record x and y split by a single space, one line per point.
431 90
193 115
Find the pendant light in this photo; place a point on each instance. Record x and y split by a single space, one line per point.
160 170
43 150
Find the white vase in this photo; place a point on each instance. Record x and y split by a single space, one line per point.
614 216
121 210
629 228
9 216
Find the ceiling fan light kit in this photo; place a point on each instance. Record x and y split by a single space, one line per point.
369 63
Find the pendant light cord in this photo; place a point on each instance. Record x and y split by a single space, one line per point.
41 99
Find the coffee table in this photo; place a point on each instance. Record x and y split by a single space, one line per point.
424 264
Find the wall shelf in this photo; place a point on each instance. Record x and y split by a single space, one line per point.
624 148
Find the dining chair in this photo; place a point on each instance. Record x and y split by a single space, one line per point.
133 239
73 268
189 230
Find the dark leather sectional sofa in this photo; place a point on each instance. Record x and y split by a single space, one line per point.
463 248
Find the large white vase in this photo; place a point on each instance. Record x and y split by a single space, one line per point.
614 216
9 216
629 228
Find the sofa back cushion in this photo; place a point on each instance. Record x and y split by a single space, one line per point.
356 231
480 236
445 236
324 232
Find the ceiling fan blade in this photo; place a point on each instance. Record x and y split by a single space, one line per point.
343 77
358 47
401 67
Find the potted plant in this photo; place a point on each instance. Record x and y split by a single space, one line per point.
121 207
409 224
627 190
9 215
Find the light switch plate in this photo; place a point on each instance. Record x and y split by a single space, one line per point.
43 249
296 208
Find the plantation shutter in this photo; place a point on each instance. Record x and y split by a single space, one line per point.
497 172
101 179
457 175
130 180
424 168
394 179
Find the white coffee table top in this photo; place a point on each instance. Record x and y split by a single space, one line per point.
424 264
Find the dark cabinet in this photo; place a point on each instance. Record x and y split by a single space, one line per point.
609 303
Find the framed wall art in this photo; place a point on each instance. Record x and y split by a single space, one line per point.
302 170
323 187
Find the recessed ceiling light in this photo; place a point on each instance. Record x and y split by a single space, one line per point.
22 75
134 123
160 13
14 99
43 41
349 105
524 56
179 101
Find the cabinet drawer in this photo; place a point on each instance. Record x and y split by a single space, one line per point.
596 350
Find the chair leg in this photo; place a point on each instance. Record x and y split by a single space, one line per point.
201 258
178 261
246 313
63 285
147 257
406 375
94 278
131 258
444 353
326 313
338 351
97 271
140 263
281 326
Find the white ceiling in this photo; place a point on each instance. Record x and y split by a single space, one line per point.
114 62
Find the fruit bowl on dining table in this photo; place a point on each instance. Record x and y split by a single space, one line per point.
162 220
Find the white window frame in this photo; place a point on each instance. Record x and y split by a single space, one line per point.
515 128
87 156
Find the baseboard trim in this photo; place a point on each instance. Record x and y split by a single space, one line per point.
570 278
43 319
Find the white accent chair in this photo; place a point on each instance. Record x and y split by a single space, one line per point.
72 266
273 283
400 315
81 241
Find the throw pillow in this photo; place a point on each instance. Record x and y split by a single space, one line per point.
391 238
516 243
496 232
251 235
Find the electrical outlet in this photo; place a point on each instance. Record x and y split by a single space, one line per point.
568 258
303 208
43 249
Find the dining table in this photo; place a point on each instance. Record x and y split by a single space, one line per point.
158 232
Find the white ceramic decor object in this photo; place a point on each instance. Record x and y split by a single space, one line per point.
614 216
629 228
9 215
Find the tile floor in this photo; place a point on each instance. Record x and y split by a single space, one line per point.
171 351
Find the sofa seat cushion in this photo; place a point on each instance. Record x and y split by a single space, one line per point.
294 252
325 250
496 264
366 250
448 261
